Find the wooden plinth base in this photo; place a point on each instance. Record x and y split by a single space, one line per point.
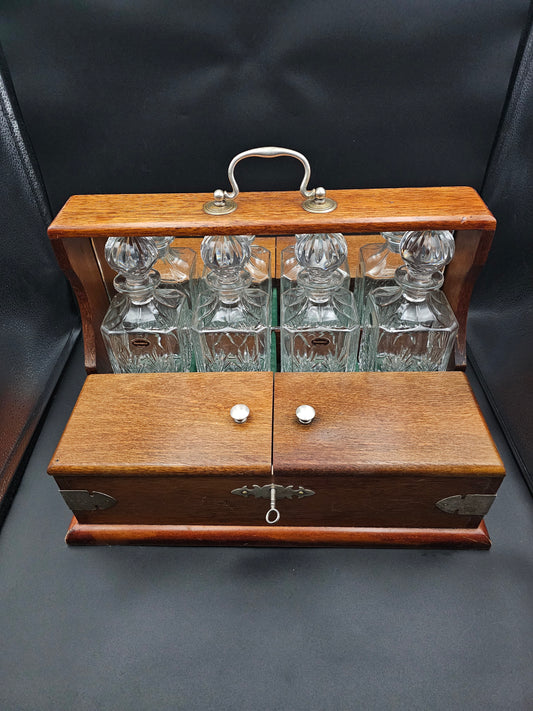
277 536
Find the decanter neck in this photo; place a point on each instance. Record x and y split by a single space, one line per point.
162 245
393 240
417 284
140 289
229 284
319 285
425 254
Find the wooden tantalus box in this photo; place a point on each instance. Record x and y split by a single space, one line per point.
391 459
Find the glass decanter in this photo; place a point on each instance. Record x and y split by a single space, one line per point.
145 330
377 266
290 268
411 326
232 322
319 322
176 267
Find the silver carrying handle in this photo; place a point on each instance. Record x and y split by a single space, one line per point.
269 152
224 201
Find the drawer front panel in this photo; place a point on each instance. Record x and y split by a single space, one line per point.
171 500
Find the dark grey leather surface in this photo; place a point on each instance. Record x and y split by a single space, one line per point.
501 318
158 96
38 321
222 629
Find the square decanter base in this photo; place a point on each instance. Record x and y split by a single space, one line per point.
276 536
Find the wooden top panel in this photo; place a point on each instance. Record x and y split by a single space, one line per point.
381 423
168 423
272 213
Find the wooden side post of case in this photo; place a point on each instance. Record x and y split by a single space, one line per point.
471 250
77 259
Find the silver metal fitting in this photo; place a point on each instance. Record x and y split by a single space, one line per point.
240 413
305 414
223 202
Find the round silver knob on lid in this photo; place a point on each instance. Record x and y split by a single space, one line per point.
305 414
240 413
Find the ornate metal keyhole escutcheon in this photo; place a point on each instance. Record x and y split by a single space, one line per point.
273 492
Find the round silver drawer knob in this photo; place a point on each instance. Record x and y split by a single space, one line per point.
240 413
305 414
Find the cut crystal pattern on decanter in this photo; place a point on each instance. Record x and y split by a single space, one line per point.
290 268
411 326
176 267
377 266
145 330
232 322
319 323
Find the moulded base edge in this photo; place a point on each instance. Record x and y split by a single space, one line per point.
276 536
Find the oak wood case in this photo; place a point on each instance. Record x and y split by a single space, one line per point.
382 450
379 454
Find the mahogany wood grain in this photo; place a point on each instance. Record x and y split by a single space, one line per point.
160 424
380 452
374 501
80 264
272 213
471 251
364 500
187 498
373 424
279 536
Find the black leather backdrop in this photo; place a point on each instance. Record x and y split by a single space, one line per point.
158 96
501 322
38 319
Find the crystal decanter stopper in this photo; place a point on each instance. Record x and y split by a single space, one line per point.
145 330
176 266
231 321
319 322
411 326
258 265
290 268
377 266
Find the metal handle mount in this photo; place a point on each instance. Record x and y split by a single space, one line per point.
315 199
